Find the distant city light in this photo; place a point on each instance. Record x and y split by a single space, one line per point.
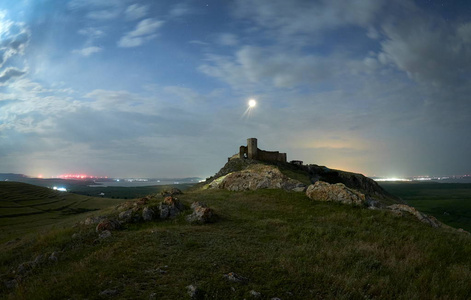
79 176
60 189
391 179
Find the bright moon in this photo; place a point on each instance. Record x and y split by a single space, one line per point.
252 103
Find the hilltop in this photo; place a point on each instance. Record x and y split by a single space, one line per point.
265 238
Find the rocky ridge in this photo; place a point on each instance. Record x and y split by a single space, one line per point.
257 176
280 175
326 185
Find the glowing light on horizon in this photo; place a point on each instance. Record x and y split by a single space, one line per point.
392 179
79 176
60 189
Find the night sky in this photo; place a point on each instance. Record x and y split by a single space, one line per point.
159 88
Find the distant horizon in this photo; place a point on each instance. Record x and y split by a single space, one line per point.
89 176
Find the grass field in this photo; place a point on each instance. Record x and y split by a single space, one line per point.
448 202
285 244
122 192
25 208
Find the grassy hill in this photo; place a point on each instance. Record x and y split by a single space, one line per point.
448 202
283 243
24 207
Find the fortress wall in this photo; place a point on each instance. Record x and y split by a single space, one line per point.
251 151
271 156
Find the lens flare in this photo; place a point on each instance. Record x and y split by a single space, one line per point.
252 103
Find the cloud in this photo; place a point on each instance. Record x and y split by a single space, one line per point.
98 9
136 11
10 73
79 4
116 100
228 39
14 37
87 51
299 16
144 31
255 65
180 10
429 50
104 14
91 33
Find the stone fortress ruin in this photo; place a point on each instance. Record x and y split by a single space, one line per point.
251 151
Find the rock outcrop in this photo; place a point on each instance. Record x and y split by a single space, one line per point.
109 225
359 182
170 207
239 169
323 191
201 213
432 221
256 177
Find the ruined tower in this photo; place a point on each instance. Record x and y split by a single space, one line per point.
252 148
251 151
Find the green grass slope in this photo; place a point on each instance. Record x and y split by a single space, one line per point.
285 244
448 202
25 208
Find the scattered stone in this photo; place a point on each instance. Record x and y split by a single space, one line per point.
11 284
109 224
463 231
53 257
374 204
153 296
11 242
432 221
142 201
38 260
125 206
75 236
93 220
161 271
193 291
171 192
108 292
201 213
147 214
170 207
104 234
125 216
23 268
231 276
323 191
275 298
255 294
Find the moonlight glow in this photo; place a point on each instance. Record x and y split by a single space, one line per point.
252 103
